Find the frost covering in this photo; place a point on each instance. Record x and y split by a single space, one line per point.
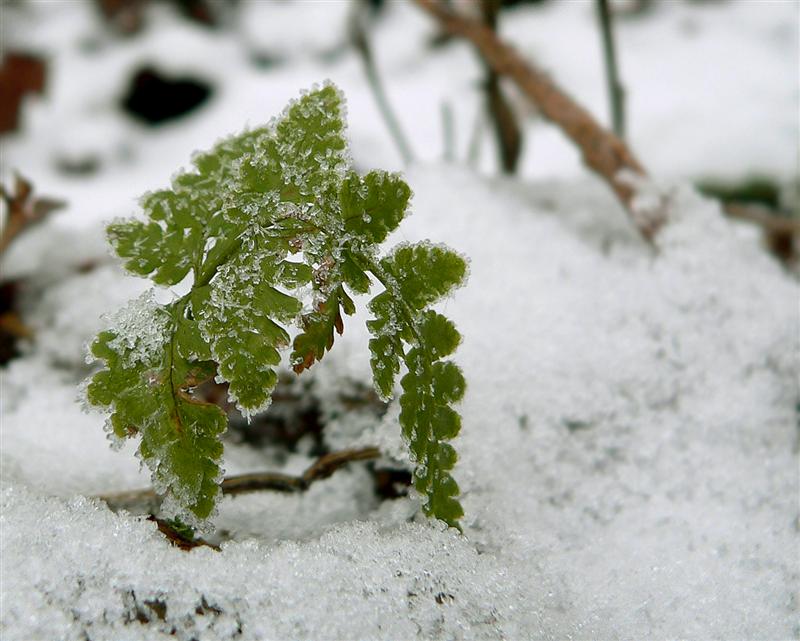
271 223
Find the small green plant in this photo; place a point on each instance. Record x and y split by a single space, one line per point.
234 222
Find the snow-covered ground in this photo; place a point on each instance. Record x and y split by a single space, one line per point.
629 454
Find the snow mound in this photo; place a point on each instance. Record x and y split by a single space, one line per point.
118 578
628 458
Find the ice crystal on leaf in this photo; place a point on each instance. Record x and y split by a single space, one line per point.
264 221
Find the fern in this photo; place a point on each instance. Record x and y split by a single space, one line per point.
275 228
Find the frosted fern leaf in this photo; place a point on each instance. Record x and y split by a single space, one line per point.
266 224
406 330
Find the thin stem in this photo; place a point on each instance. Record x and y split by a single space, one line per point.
385 280
362 45
175 384
616 91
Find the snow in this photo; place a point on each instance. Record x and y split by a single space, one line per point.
353 580
628 457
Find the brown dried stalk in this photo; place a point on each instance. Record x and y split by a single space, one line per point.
602 151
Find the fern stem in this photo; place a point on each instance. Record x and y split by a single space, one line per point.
386 281
231 245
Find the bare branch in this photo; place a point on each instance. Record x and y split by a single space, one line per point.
322 468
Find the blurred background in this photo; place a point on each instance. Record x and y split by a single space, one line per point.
103 99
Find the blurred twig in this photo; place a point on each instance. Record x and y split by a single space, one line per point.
509 137
322 468
764 218
360 39
602 151
616 92
23 211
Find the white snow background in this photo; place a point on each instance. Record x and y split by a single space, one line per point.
629 452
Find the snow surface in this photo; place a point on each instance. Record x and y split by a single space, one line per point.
629 454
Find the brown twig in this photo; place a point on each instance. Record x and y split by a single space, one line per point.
602 151
24 211
322 468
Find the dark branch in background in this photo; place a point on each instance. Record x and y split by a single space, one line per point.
360 40
23 210
322 468
616 92
602 151
509 137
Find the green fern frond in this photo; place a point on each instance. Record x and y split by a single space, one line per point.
275 227
147 385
